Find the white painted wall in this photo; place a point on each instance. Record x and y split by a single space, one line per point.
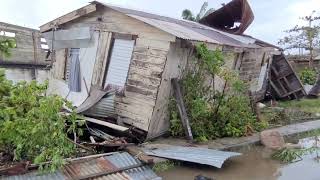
87 61
19 74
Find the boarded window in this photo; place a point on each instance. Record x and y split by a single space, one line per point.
119 64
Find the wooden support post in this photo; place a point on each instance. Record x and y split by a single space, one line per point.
135 151
182 111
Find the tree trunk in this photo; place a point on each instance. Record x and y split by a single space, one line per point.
311 59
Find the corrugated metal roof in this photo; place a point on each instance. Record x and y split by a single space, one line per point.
187 29
176 29
191 154
85 168
103 108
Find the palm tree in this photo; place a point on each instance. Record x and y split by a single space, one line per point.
188 15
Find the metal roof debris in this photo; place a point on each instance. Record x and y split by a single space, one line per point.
120 165
191 154
225 18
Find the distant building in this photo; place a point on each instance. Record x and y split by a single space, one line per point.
28 59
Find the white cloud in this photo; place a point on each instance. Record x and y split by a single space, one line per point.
302 8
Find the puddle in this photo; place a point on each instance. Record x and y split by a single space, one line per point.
254 164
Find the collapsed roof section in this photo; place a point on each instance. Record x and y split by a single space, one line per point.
234 17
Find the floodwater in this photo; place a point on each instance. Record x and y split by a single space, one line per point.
254 164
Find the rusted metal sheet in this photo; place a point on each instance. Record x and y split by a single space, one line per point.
284 82
110 165
227 17
191 154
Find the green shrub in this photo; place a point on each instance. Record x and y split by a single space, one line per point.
308 76
214 114
32 125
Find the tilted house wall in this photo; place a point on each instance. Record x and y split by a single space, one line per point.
163 47
146 67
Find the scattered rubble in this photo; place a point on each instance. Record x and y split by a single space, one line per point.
272 139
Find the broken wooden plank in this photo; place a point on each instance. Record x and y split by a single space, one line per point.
107 124
182 110
137 152
69 17
281 71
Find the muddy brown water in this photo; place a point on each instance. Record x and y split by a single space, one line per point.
254 164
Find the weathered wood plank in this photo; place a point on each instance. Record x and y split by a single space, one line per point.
147 65
59 64
163 45
144 78
145 72
104 123
69 17
135 98
141 84
182 111
144 111
101 58
151 59
136 120
142 91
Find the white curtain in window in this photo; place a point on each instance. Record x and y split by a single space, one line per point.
74 81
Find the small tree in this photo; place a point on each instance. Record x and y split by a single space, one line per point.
5 45
305 37
188 15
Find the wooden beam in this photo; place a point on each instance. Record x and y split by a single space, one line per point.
182 111
69 17
137 152
107 124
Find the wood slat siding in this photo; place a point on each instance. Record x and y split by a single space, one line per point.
69 17
102 55
146 67
176 62
144 79
59 65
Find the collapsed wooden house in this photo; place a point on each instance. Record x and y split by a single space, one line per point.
116 62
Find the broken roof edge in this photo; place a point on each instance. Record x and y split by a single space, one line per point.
226 16
68 17
17 26
179 28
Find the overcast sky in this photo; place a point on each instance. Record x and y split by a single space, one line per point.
272 17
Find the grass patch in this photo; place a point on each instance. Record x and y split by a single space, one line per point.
305 105
163 166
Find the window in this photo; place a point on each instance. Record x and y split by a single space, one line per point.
7 34
72 70
70 52
119 64
43 44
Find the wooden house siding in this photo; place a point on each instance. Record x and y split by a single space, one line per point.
146 67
